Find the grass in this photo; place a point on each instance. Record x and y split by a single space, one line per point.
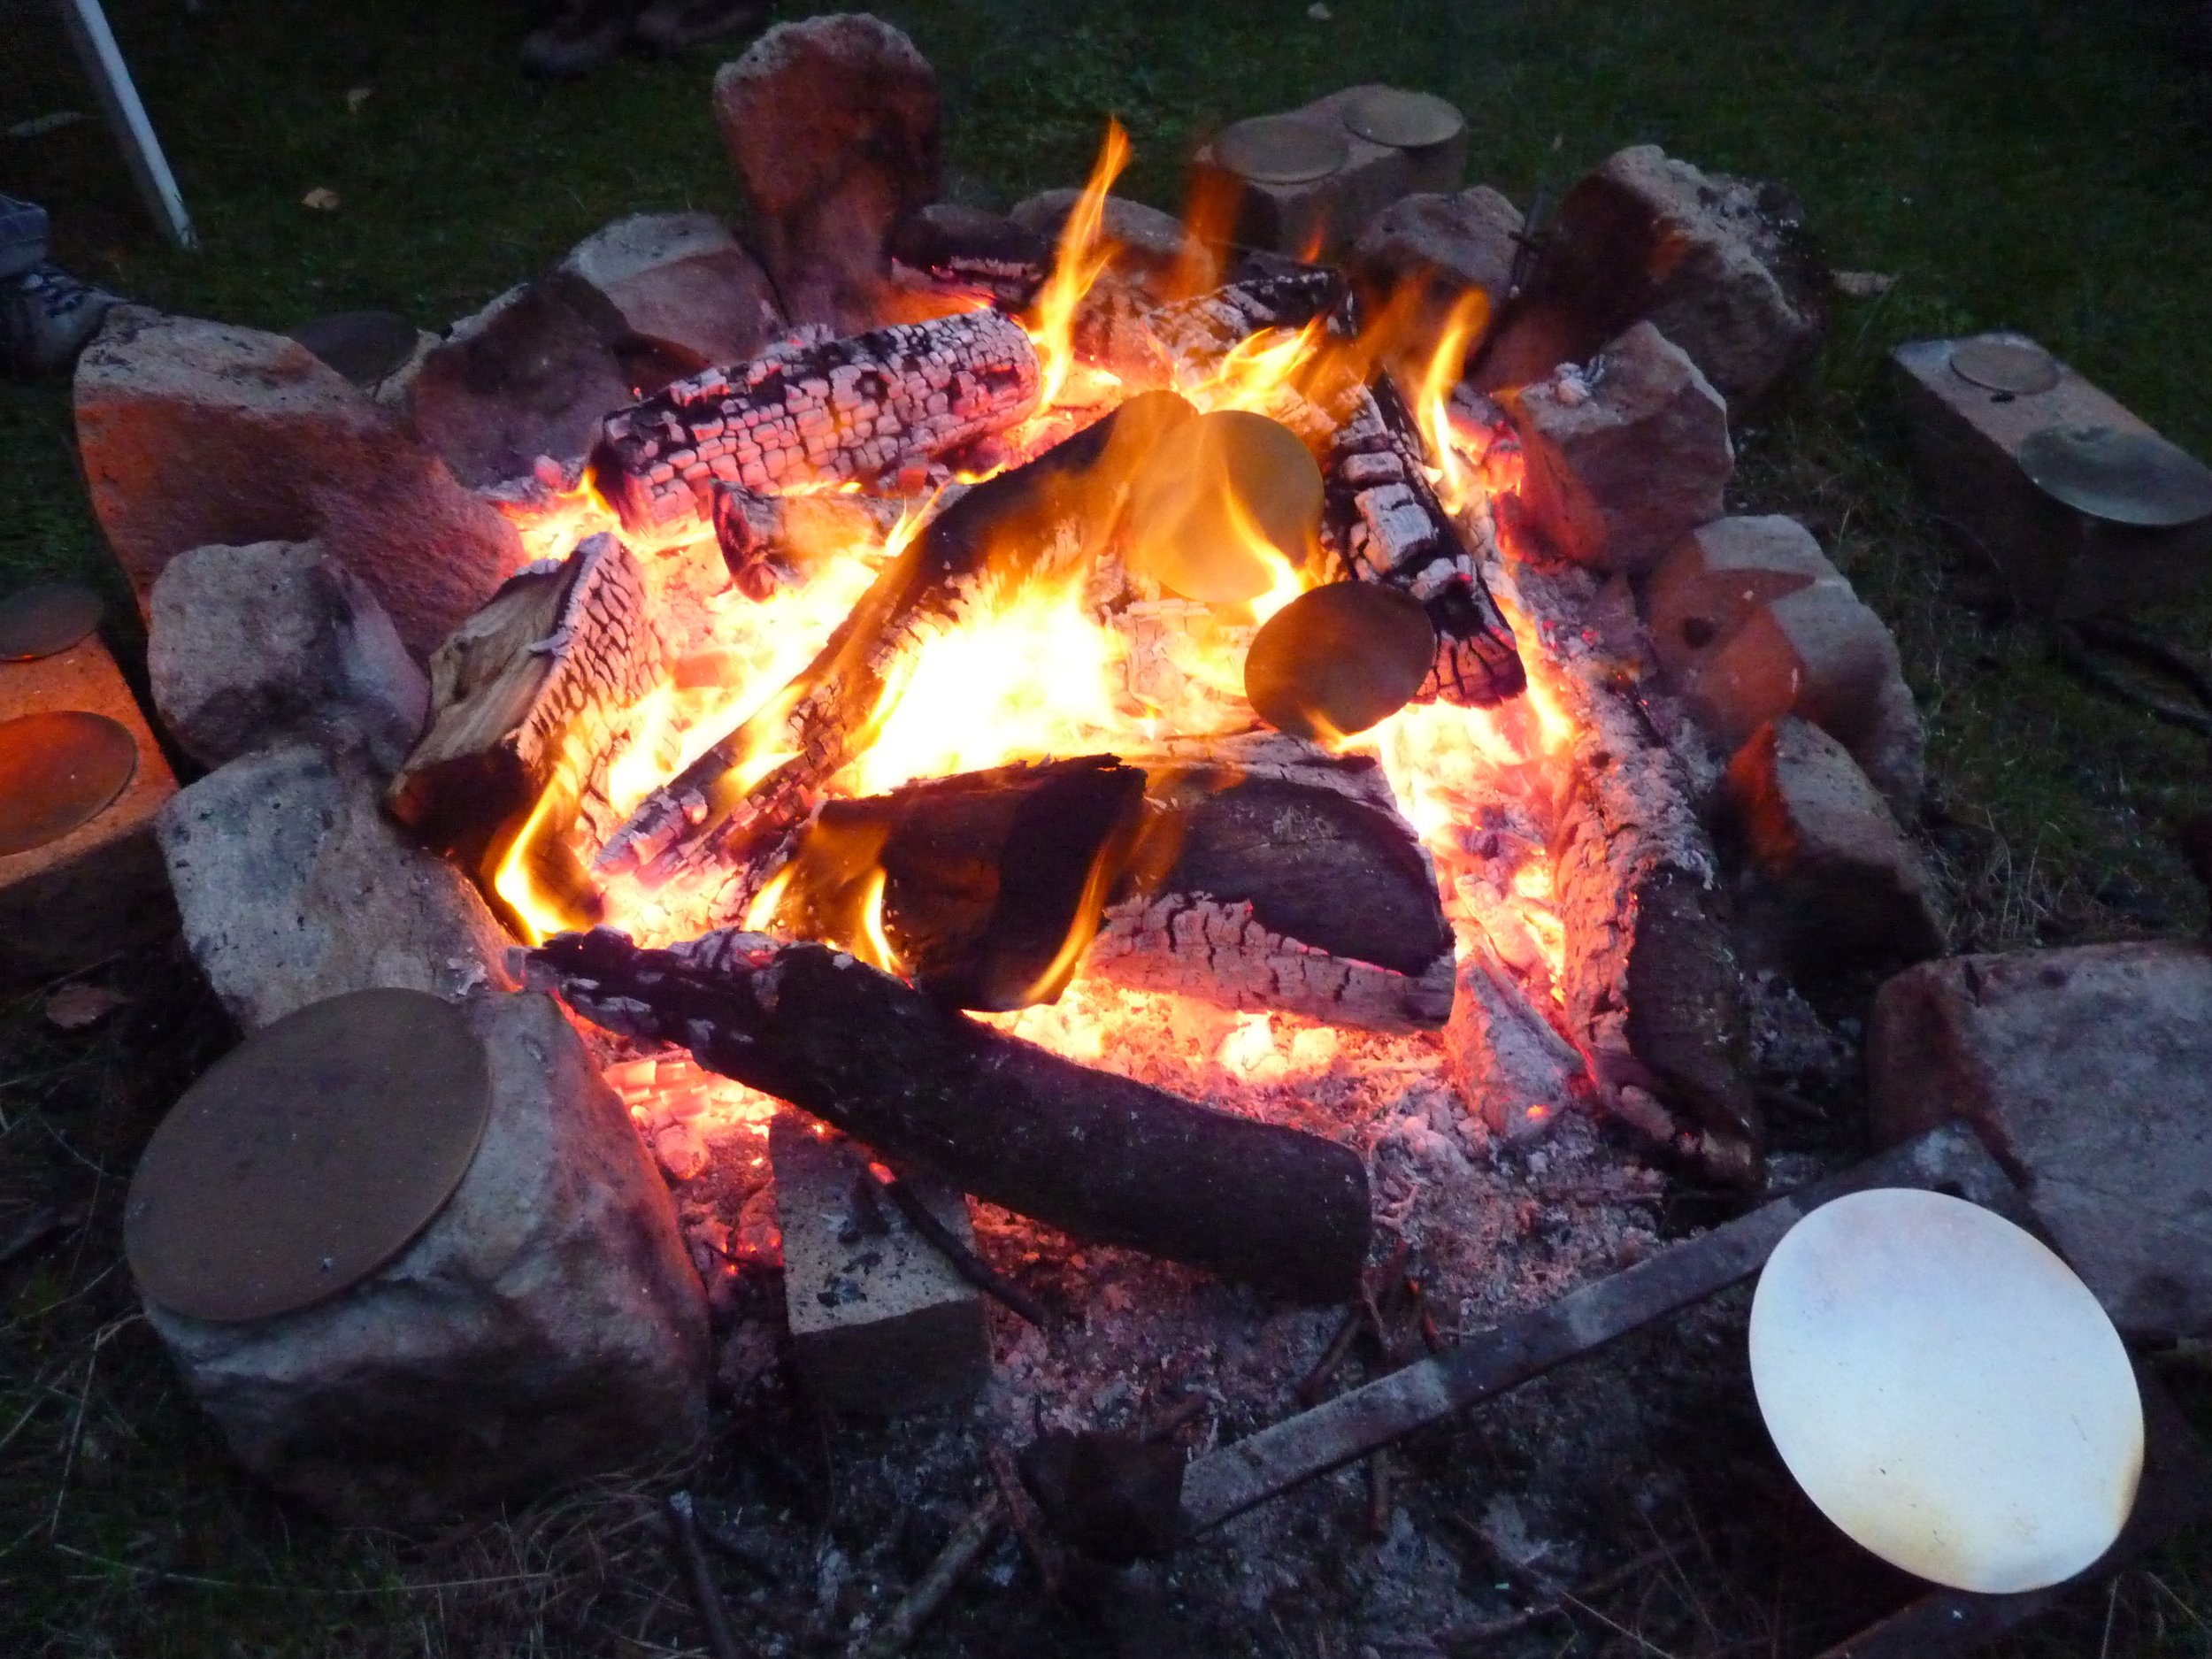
2023 162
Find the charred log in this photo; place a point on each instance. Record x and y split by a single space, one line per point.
768 540
855 409
1103 1157
1204 329
967 251
1383 517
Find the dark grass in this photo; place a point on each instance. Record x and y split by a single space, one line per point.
2020 163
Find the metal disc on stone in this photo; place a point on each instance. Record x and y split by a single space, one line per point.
46 620
58 770
365 347
1275 149
1339 659
1215 497
1405 121
2006 366
2131 478
308 1156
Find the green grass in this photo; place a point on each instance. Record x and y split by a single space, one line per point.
2020 163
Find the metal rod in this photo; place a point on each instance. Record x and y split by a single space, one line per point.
127 118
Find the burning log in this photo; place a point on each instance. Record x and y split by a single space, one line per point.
1103 1157
967 251
1207 328
1382 514
536 680
851 409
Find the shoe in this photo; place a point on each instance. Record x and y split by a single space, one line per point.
46 315
583 35
670 25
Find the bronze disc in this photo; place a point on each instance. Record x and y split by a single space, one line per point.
308 1156
1275 149
2006 366
1339 659
2131 478
1213 496
58 770
46 620
1404 120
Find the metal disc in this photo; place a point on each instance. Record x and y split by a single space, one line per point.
1405 121
46 620
2006 366
308 1156
1214 495
1275 149
1339 659
363 346
2131 478
58 770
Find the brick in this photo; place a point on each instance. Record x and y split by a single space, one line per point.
880 1323
101 888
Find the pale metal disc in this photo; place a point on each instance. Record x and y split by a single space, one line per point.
309 1156
1405 121
2006 366
46 620
1339 659
1275 149
58 770
2131 478
1215 493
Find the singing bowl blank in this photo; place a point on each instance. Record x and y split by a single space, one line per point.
1946 1390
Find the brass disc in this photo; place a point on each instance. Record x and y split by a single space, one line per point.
58 770
1339 659
308 1156
2006 366
1214 495
1405 121
46 620
2131 478
1275 149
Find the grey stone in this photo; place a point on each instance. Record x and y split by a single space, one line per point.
293 886
195 434
680 283
1448 245
832 125
546 1327
1149 244
1721 572
2088 1072
1626 455
249 647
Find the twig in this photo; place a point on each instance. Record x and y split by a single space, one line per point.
960 1554
721 1639
1044 1555
1314 1386
1378 1496
965 1262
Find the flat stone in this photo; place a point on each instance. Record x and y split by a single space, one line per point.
1626 455
1966 440
254 646
2088 1072
547 1326
833 126
1449 245
195 433
879 1322
680 284
101 888
293 886
1836 885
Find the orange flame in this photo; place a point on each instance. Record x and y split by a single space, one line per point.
1083 257
1459 480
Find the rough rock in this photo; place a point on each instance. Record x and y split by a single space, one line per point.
252 646
832 125
195 433
1836 885
678 284
527 376
547 1326
293 886
2088 1071
1719 575
1450 245
1149 244
1625 456
1721 265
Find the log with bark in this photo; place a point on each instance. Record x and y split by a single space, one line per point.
853 410
1101 1157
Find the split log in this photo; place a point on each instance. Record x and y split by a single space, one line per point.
538 680
857 409
1101 1157
1382 515
767 539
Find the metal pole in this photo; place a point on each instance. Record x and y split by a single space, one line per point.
103 60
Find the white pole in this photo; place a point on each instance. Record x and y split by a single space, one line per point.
127 118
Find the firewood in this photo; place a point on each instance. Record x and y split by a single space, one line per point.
1202 330
1101 1157
857 409
537 680
967 251
1382 515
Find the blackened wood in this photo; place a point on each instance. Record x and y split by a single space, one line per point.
857 409
1207 328
966 249
1101 1157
